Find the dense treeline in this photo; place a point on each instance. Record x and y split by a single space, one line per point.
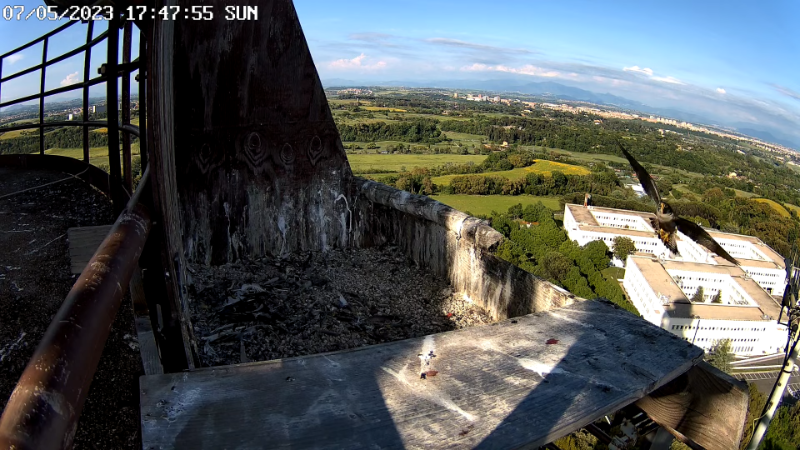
421 130
65 137
545 250
533 184
718 209
579 133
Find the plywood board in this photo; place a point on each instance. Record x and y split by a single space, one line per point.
520 382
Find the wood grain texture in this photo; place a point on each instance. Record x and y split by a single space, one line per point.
260 166
161 155
83 242
451 245
148 349
496 386
705 406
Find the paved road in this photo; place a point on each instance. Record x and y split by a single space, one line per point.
765 380
775 360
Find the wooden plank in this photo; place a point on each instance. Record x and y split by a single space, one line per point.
259 166
704 406
148 349
83 242
161 147
521 382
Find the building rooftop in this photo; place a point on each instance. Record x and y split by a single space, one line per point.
587 222
656 275
775 257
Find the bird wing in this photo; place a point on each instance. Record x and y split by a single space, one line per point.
701 236
644 178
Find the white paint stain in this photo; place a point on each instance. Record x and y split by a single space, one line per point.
427 391
567 319
539 367
427 354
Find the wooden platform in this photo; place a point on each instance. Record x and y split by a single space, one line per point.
520 382
83 242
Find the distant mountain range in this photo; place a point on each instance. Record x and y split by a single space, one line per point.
549 89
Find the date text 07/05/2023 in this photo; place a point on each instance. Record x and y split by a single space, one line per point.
106 12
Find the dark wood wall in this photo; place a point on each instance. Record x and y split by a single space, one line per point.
259 166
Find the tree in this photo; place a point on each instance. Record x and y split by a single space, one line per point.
623 246
698 295
720 355
717 298
754 408
784 430
596 251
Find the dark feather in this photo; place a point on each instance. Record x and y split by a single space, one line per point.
699 235
644 178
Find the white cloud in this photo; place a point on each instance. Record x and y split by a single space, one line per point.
670 80
721 91
646 71
527 69
474 46
611 81
14 58
70 79
650 74
356 63
786 91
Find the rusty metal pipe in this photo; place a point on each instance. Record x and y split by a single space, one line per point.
44 408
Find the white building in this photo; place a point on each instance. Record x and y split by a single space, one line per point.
586 224
747 314
758 259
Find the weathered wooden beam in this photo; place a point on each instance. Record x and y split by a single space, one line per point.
703 408
519 383
451 245
259 166
167 233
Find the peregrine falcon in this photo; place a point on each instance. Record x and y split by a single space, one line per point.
666 223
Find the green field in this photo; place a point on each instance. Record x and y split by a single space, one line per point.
614 273
541 167
395 163
465 138
381 108
794 208
97 155
485 204
586 157
775 205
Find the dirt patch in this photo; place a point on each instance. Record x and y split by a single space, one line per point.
319 302
35 278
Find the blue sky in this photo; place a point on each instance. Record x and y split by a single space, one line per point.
732 61
15 33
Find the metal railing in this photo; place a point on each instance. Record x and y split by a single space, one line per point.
120 169
44 409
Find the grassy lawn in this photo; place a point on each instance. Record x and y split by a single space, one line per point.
775 205
97 155
586 157
744 194
613 273
541 167
16 133
381 108
361 163
465 137
485 204
793 207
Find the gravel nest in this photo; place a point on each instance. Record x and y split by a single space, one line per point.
34 280
319 302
